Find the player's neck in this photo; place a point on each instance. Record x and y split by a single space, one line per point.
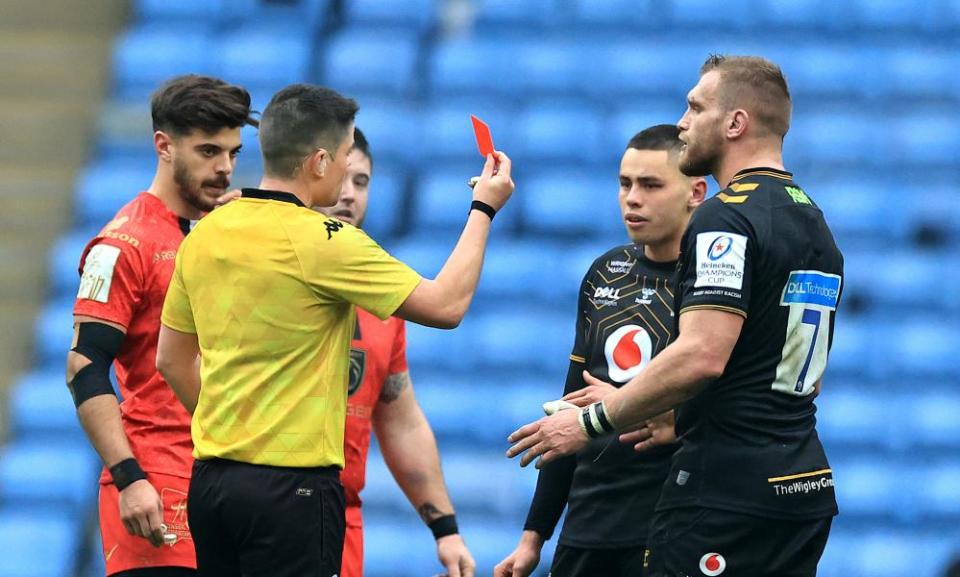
666 251
281 185
169 194
748 156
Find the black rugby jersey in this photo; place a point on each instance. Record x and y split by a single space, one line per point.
625 317
761 249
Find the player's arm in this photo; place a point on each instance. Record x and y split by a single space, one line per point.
178 361
443 301
410 451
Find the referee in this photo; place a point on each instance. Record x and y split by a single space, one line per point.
750 491
264 290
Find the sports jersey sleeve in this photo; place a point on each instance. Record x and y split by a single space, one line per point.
177 313
719 252
112 280
398 356
361 272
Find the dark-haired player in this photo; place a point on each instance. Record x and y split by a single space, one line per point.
625 317
750 491
145 441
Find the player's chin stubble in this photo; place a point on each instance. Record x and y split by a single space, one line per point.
191 191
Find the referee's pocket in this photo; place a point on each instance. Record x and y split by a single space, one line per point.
332 525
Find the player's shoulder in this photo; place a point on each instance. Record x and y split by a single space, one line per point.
620 259
762 189
133 226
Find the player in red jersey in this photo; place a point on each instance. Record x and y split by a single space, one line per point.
145 440
381 398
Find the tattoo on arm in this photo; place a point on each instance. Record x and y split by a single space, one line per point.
429 512
394 385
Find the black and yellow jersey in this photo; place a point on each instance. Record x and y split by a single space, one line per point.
760 249
624 318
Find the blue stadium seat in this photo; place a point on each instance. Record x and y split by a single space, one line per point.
146 56
387 200
430 348
45 472
925 346
566 202
855 418
38 543
890 279
916 554
450 403
54 332
932 417
522 339
307 15
737 14
632 66
639 114
385 557
822 69
40 405
468 67
554 130
617 13
103 188
517 269
417 15
393 129
551 65
858 206
925 137
265 56
64 277
938 499
450 134
786 14
496 14
442 200
922 72
872 487
934 206
892 14
178 11
855 349
839 135
354 61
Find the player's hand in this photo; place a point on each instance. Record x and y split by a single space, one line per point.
595 391
455 557
549 438
524 558
141 511
229 196
660 430
495 185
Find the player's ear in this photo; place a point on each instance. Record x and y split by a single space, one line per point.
737 123
162 142
698 192
317 162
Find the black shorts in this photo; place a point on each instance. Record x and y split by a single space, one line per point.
260 520
578 562
158 572
711 542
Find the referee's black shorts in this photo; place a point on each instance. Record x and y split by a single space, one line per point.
712 542
251 520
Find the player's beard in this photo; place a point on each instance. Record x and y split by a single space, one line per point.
191 190
701 158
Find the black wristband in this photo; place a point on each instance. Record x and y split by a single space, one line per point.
587 423
483 207
444 526
602 417
126 472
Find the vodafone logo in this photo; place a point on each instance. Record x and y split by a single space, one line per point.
712 564
628 350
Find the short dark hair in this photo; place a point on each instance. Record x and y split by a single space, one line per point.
659 137
193 102
755 84
360 143
300 119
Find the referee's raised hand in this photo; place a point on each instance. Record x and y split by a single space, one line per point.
496 184
141 511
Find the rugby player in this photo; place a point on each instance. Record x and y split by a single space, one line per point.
750 491
144 441
624 318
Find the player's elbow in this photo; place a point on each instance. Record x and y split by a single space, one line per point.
707 360
75 363
165 365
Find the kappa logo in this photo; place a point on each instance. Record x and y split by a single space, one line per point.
606 292
712 564
332 226
646 296
628 350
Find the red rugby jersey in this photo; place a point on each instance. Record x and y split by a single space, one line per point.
378 350
125 271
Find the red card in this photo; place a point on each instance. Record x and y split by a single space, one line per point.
482 132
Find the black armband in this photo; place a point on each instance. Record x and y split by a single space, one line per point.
444 526
100 344
594 422
126 472
484 208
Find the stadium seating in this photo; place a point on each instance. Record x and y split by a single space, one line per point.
563 84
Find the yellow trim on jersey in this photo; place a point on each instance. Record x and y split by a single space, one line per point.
727 199
744 186
762 173
799 476
714 307
578 359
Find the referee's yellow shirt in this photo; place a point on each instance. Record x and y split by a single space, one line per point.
269 287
